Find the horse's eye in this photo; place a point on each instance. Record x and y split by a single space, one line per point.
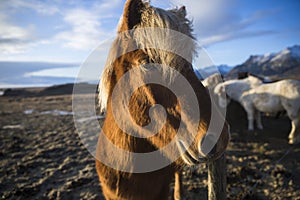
144 62
148 66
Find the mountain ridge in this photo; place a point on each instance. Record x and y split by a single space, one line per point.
275 66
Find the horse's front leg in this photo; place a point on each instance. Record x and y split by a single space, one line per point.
250 115
178 188
293 139
258 120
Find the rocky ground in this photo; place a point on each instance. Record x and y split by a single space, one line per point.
42 156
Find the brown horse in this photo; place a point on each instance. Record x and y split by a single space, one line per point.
151 98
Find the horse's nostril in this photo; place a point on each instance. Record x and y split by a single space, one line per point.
213 151
207 150
208 144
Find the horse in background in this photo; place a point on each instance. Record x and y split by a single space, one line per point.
212 81
117 183
234 89
275 97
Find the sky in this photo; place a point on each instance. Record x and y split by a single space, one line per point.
67 32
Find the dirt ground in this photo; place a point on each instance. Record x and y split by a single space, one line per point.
42 156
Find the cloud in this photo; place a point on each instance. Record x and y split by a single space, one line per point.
13 39
233 36
67 72
109 5
89 26
85 29
82 28
16 39
218 21
41 7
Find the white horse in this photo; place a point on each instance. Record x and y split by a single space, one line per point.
275 97
234 89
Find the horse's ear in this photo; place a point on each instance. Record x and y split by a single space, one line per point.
182 11
131 15
219 89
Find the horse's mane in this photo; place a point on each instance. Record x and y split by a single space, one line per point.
165 49
254 80
175 20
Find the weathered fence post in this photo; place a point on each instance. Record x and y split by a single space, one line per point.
178 187
217 179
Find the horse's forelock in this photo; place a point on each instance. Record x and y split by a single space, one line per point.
173 32
174 20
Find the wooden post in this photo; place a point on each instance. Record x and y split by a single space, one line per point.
178 187
217 179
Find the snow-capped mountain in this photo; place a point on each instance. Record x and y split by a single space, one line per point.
207 71
284 64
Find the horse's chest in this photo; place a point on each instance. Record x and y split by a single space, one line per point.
267 103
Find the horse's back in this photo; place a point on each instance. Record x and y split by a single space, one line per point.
281 95
266 102
287 88
290 88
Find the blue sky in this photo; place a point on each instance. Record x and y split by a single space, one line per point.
68 31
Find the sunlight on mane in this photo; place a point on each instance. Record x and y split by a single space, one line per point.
162 30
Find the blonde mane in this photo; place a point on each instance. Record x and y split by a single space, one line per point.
170 33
